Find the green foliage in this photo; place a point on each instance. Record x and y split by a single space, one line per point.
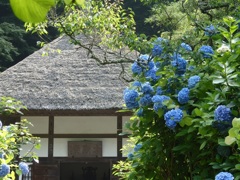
201 144
13 137
31 10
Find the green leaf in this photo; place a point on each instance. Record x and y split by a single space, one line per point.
229 140
233 83
237 166
233 57
203 145
80 2
31 10
233 29
67 1
37 146
197 112
218 81
236 122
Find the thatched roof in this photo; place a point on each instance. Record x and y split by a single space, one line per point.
68 80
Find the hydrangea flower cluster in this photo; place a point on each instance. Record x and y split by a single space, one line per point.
183 96
185 46
4 170
130 98
24 168
145 65
137 147
172 117
150 95
206 51
158 102
193 80
157 50
223 113
180 64
224 176
210 30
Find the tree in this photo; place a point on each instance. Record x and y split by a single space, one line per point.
16 43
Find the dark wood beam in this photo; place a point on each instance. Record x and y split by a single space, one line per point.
119 138
66 112
50 137
80 135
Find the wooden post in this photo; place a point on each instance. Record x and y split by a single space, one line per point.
50 137
119 138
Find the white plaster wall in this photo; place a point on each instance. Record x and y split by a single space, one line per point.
85 124
125 119
40 124
109 146
42 152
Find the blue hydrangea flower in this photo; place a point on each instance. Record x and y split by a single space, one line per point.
144 58
137 84
142 63
159 91
137 147
158 101
183 96
136 68
130 156
157 50
210 30
140 112
0 124
224 176
175 115
223 113
151 74
147 88
186 47
24 168
145 100
180 64
4 170
2 155
192 81
130 98
160 40
171 124
158 64
206 51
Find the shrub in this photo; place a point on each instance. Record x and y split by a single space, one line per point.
188 125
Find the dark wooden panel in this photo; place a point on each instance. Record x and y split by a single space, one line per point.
45 172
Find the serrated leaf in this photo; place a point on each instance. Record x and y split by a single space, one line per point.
229 140
33 11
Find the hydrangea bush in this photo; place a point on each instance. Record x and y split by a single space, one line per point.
12 137
185 104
